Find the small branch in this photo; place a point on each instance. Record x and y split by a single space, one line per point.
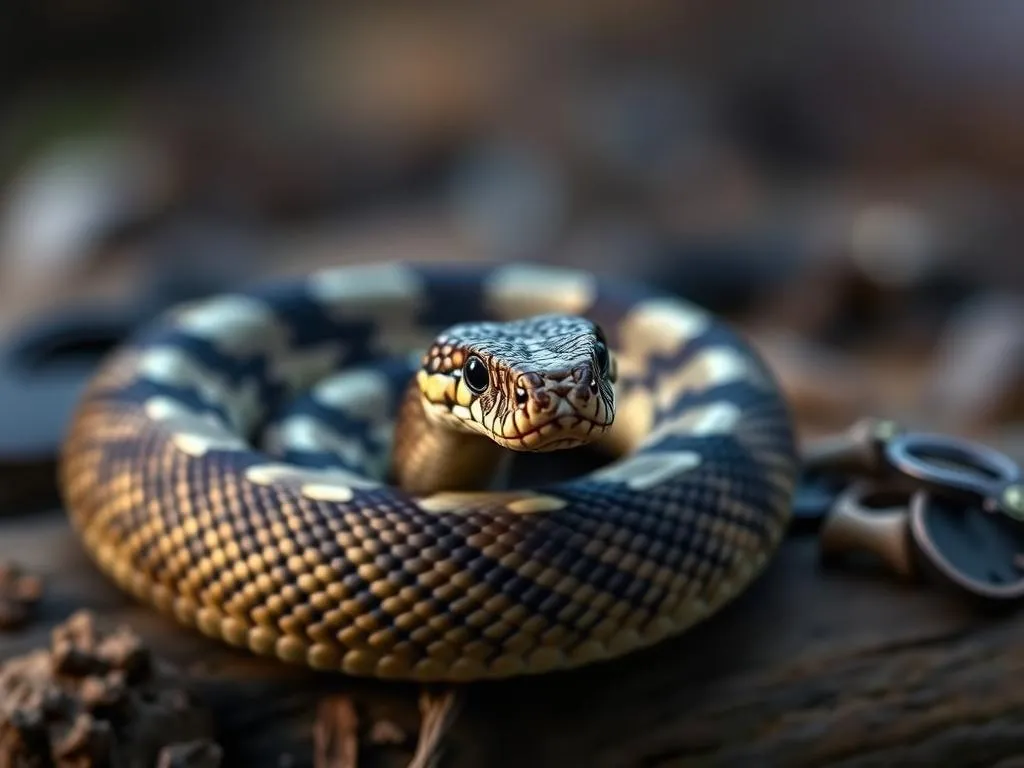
438 711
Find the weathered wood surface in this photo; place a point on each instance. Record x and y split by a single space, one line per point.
811 667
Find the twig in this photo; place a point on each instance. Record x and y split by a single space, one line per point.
336 735
438 711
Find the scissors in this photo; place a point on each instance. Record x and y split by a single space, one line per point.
928 505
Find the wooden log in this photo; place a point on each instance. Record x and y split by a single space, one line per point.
811 667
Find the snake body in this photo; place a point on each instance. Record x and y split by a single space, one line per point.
233 464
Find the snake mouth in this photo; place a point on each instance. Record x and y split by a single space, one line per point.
556 434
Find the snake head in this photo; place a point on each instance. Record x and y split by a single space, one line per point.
542 383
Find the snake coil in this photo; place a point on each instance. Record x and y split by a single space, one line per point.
226 467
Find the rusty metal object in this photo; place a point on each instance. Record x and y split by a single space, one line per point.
921 537
929 506
952 466
830 461
972 550
871 518
860 449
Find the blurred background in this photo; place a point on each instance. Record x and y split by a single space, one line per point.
842 181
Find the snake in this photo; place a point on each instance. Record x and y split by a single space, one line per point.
314 467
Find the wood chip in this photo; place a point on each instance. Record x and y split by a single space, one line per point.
97 698
336 734
438 710
19 595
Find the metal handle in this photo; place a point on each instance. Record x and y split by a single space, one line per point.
859 449
979 471
853 526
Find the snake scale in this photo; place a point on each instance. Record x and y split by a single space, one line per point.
306 468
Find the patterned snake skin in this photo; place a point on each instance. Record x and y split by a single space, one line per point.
230 466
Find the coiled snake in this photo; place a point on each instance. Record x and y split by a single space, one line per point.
238 465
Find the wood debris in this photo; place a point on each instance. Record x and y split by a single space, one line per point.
438 711
336 735
95 699
338 731
20 592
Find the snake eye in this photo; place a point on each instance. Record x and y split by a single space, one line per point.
474 373
601 354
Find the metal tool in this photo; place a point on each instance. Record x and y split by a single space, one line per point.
928 506
830 462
